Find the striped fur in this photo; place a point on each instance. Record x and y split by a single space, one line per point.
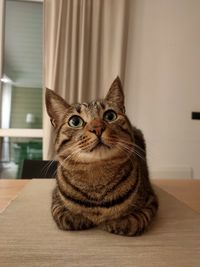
102 178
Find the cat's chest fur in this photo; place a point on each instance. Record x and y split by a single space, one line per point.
97 176
100 192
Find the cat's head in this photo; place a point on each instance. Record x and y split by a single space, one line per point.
91 131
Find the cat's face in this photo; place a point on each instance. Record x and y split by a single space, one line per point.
92 131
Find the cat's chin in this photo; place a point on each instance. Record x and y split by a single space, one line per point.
100 147
100 152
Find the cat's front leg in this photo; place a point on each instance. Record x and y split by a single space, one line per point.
65 219
133 224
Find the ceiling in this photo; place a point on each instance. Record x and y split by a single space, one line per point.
23 43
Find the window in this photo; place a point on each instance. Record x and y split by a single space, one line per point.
21 86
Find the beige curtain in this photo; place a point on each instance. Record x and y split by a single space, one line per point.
84 50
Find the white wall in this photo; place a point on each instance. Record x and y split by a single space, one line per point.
163 83
1 33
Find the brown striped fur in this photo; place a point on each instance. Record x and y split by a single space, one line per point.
102 178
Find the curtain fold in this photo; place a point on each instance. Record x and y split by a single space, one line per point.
84 50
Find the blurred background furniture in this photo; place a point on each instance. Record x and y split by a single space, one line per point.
38 169
31 150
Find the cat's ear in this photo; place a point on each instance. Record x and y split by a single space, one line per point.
56 107
115 94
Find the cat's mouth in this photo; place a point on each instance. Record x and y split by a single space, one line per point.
100 144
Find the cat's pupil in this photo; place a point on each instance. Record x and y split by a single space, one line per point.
110 115
75 121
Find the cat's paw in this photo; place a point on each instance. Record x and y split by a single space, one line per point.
66 220
130 225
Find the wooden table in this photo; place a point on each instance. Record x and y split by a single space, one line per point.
29 236
187 191
9 189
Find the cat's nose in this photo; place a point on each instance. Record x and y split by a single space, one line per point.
97 127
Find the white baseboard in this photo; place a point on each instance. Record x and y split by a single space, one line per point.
182 172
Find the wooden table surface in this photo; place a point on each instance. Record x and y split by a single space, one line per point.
187 191
9 189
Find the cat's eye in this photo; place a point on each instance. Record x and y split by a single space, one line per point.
76 122
110 115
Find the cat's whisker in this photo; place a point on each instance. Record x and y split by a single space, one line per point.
82 142
71 155
128 143
143 150
73 165
130 147
128 151
46 168
129 155
131 150
89 145
72 148
117 141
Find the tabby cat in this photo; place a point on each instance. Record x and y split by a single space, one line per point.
102 177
